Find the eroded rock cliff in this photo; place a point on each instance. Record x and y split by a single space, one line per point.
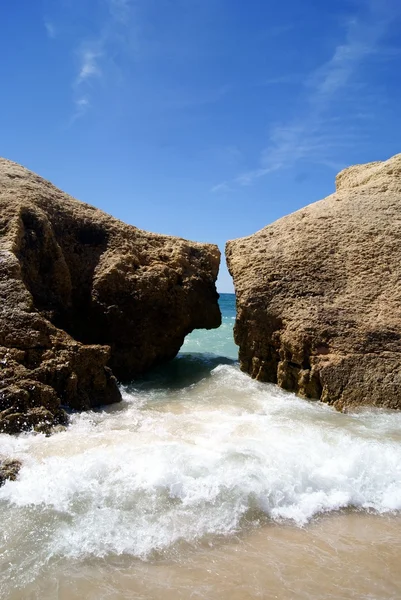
319 293
86 299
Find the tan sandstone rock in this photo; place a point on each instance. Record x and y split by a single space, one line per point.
86 299
9 469
319 293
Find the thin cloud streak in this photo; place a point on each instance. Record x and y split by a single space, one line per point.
362 40
89 68
221 188
89 65
313 137
82 105
120 10
95 55
50 30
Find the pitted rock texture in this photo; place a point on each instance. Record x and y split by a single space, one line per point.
319 293
9 469
86 299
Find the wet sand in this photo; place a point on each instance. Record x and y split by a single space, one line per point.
336 557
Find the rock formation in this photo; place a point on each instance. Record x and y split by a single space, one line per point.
86 299
319 293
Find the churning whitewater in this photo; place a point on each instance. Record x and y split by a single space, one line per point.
195 451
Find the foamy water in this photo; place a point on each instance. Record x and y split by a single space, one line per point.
195 454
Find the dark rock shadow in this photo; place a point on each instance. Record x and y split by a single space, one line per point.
186 369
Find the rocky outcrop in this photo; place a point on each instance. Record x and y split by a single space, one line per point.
319 293
86 299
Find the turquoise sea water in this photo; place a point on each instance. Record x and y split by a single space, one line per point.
216 341
203 350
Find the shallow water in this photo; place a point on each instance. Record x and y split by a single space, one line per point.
340 557
203 483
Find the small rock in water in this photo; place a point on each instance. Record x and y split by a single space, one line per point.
9 469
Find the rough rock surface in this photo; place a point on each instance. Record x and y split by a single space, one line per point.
8 470
86 299
319 293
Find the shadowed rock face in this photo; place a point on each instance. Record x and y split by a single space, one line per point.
319 293
86 299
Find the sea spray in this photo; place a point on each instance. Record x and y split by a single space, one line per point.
196 450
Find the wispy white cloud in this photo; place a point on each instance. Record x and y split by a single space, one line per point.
83 102
313 135
82 105
50 29
89 61
221 188
95 54
89 64
315 138
120 9
362 38
248 177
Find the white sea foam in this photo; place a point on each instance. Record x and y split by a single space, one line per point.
194 451
175 464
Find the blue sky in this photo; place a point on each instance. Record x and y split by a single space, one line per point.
206 119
